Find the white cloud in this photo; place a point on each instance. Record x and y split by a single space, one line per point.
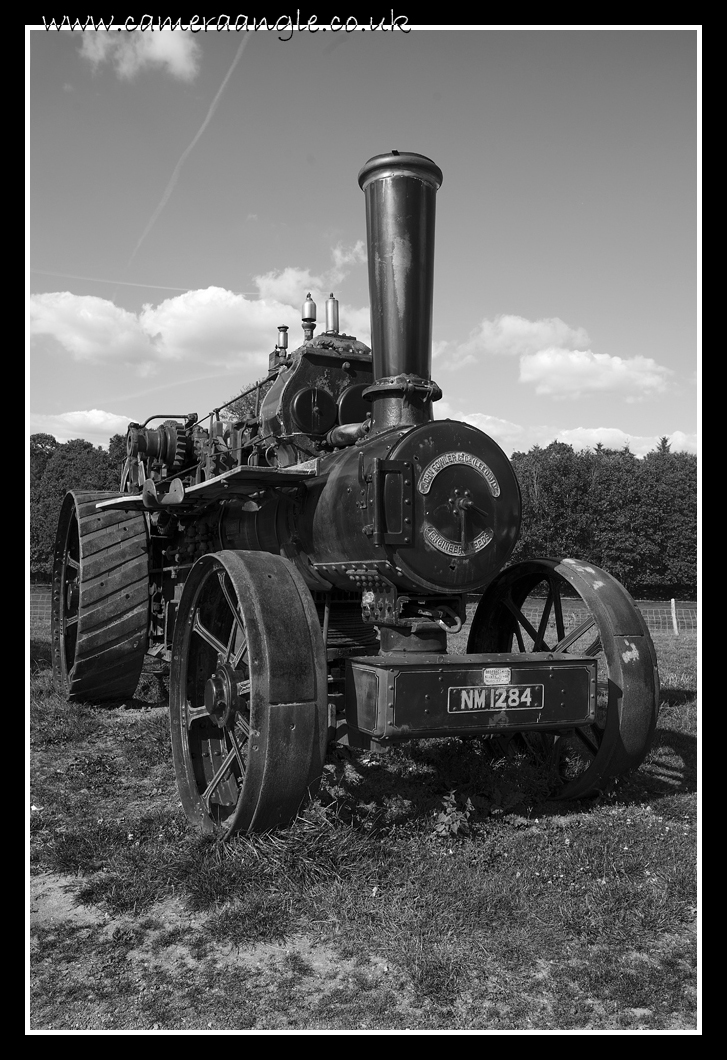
94 425
174 51
356 322
555 358
343 256
514 437
289 285
508 435
563 373
615 438
217 327
211 327
512 336
292 284
90 328
683 443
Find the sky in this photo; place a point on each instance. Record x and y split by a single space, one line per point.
187 190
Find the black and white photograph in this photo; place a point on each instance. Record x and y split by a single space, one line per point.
363 386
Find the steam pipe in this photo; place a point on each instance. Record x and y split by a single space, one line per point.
400 189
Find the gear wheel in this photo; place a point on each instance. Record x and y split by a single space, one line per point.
176 447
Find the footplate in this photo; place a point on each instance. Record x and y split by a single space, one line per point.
400 696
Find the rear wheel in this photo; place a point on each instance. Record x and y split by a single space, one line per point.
248 693
529 608
100 599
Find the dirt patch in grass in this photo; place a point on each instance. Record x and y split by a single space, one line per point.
167 971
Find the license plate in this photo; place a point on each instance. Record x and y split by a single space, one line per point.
494 698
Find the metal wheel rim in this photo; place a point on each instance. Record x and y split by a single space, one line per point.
589 757
66 591
215 754
248 704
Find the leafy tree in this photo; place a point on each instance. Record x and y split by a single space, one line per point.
615 506
554 485
74 465
246 406
635 518
42 447
117 455
668 487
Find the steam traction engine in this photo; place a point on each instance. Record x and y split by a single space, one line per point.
302 567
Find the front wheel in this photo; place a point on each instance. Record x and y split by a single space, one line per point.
529 607
248 693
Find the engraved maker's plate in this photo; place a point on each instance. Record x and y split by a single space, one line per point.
431 471
455 548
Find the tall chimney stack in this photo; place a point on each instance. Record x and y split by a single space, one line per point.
400 189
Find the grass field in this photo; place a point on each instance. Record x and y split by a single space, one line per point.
432 888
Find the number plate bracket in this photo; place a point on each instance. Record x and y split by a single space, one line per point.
402 695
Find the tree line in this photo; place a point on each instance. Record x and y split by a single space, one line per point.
56 467
636 518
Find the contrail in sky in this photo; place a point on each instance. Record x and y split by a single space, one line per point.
119 283
177 169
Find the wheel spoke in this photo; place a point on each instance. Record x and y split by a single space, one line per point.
576 634
239 655
587 740
238 752
558 605
196 714
71 562
218 777
241 763
583 611
208 636
70 621
544 618
237 625
522 621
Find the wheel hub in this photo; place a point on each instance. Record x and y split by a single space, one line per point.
221 695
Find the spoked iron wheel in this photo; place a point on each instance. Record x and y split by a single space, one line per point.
100 599
248 693
526 609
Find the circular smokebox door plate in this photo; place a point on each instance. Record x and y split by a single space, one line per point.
352 405
314 410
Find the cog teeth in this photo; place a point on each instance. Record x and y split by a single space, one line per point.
179 440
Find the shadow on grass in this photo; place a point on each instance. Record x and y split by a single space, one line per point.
412 783
676 697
